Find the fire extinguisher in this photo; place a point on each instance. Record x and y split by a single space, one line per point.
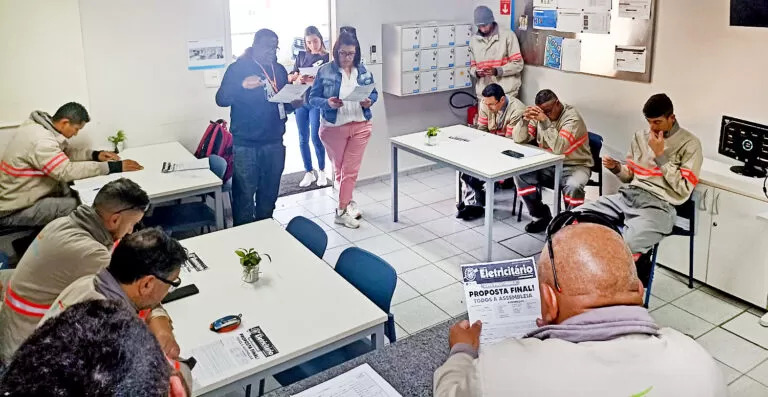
471 107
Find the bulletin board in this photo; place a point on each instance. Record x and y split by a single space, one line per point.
610 38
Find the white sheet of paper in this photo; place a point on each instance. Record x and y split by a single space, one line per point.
597 22
631 59
545 3
87 195
196 164
360 93
361 381
223 357
290 93
638 9
311 71
504 296
571 20
598 5
571 55
572 4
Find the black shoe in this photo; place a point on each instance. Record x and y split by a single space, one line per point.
473 212
539 225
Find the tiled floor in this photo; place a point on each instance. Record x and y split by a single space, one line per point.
429 244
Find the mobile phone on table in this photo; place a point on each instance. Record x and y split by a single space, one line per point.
182 292
512 153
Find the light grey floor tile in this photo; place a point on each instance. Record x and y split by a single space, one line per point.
668 288
432 196
747 387
375 210
439 181
453 264
418 314
320 206
729 373
524 244
436 250
757 311
760 373
444 226
450 299
427 279
467 240
501 231
446 207
707 307
731 350
724 297
332 255
335 239
377 191
413 235
404 203
748 327
366 230
422 214
322 224
386 224
498 253
380 245
674 317
400 333
285 215
472 224
412 187
403 292
655 303
404 260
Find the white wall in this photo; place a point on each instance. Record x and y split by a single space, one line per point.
707 67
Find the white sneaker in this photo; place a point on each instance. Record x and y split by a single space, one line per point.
322 180
309 177
354 210
344 218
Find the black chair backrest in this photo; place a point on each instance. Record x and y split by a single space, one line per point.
595 146
686 210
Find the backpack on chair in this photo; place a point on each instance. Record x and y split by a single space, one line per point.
217 140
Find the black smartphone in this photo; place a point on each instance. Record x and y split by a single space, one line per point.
512 153
183 292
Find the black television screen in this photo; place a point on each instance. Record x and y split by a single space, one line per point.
749 13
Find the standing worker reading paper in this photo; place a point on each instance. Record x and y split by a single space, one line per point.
595 338
38 163
258 126
495 55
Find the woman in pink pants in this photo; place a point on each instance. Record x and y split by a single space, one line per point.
346 125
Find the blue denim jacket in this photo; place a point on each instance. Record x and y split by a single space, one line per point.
328 84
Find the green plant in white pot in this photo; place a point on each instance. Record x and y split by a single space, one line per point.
432 136
250 260
117 141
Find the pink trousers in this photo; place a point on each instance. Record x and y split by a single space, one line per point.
345 146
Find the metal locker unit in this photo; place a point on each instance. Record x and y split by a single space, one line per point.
425 57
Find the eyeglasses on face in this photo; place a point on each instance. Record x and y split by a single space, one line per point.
345 54
175 283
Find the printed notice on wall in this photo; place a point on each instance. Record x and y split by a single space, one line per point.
571 55
544 19
545 3
553 52
631 58
637 9
205 54
569 21
591 5
597 22
504 296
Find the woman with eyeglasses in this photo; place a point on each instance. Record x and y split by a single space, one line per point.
308 117
346 125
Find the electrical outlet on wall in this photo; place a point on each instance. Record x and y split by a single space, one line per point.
212 77
374 54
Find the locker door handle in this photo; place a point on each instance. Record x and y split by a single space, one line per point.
716 204
703 203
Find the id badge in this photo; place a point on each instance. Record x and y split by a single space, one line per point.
281 109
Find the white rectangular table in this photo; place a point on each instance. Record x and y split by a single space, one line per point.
303 306
481 158
166 187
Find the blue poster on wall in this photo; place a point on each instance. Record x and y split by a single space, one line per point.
544 18
553 53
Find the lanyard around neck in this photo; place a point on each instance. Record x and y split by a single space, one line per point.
273 80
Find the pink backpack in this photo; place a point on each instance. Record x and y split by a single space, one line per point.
217 140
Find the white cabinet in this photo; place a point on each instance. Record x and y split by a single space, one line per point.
428 59
411 61
411 38
674 250
429 36
446 36
446 57
462 56
738 253
411 83
462 78
445 79
429 81
464 34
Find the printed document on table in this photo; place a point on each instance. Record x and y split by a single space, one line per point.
638 9
222 358
631 58
504 296
362 381
290 93
361 93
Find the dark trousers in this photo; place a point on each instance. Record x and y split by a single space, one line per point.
256 181
308 123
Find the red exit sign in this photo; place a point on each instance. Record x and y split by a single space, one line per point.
506 7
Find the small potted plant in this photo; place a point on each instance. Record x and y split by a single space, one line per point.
118 141
432 136
250 260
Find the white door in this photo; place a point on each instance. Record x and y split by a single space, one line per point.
428 60
462 56
411 38
462 77
429 81
411 61
446 36
411 83
673 250
429 36
463 34
738 249
446 58
445 79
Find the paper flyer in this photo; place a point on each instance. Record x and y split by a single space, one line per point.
553 52
571 55
631 59
504 296
597 22
205 54
361 381
544 19
545 3
570 21
637 9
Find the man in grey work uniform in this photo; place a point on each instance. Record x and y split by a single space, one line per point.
663 165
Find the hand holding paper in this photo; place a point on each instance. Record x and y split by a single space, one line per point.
290 93
361 93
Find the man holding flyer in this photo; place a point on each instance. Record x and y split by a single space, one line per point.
594 337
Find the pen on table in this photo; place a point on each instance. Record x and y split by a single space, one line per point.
458 139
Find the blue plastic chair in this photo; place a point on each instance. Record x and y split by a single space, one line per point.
376 279
219 167
309 234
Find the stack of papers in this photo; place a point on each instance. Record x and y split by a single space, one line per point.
362 381
197 164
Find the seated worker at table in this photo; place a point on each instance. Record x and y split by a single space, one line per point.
143 268
66 249
499 113
38 163
595 337
560 129
78 353
663 166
